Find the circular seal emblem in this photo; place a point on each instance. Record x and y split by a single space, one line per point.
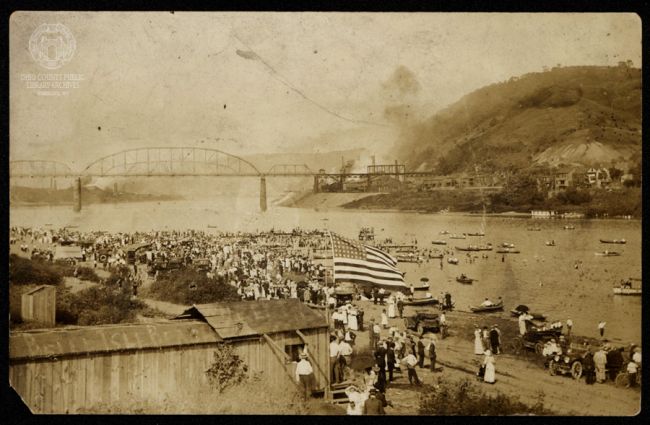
52 45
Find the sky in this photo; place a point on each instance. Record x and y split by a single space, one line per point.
280 82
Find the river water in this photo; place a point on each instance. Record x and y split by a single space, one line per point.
541 277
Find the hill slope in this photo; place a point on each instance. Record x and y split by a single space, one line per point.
574 115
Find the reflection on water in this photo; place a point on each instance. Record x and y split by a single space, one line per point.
542 277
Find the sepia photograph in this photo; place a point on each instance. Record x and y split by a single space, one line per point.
325 213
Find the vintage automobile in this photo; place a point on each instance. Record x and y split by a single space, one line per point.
534 340
567 363
423 321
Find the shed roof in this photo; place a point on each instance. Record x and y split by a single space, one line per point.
246 318
107 338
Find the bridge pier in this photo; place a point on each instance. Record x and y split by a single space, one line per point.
76 195
316 184
263 194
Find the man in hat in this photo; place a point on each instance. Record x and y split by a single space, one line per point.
400 307
373 406
335 364
600 362
432 355
390 359
420 353
371 333
410 362
305 375
495 339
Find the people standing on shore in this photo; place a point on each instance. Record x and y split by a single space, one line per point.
588 368
600 362
495 339
384 319
478 341
400 307
490 370
485 337
410 362
569 326
420 353
432 355
601 328
390 359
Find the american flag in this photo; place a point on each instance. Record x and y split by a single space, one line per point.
357 263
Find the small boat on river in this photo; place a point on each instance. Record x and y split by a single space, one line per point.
620 290
569 227
507 245
608 254
534 229
487 308
452 260
468 248
439 242
507 251
475 234
520 309
618 241
464 279
550 243
421 301
444 232
455 236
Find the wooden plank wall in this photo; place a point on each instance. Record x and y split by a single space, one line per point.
39 306
66 385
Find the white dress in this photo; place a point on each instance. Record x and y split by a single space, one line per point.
478 342
384 319
490 371
391 308
352 321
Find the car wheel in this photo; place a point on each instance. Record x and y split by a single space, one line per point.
576 370
552 368
621 380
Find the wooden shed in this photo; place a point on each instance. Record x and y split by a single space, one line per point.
66 369
39 305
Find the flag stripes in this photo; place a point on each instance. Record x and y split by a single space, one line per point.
357 263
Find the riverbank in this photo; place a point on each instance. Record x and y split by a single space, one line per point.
517 377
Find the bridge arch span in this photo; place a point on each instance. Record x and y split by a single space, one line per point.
172 162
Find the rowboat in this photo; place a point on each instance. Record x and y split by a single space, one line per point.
618 241
550 243
452 260
619 290
507 245
454 236
507 251
534 229
468 248
569 227
475 234
464 279
517 311
439 242
421 301
434 256
444 232
487 247
487 308
608 254
407 259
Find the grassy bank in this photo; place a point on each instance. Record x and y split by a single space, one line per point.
592 203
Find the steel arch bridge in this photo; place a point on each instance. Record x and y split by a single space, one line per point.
159 162
39 168
172 162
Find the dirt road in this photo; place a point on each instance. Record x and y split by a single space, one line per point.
515 376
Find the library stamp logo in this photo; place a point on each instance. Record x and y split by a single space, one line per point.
52 45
